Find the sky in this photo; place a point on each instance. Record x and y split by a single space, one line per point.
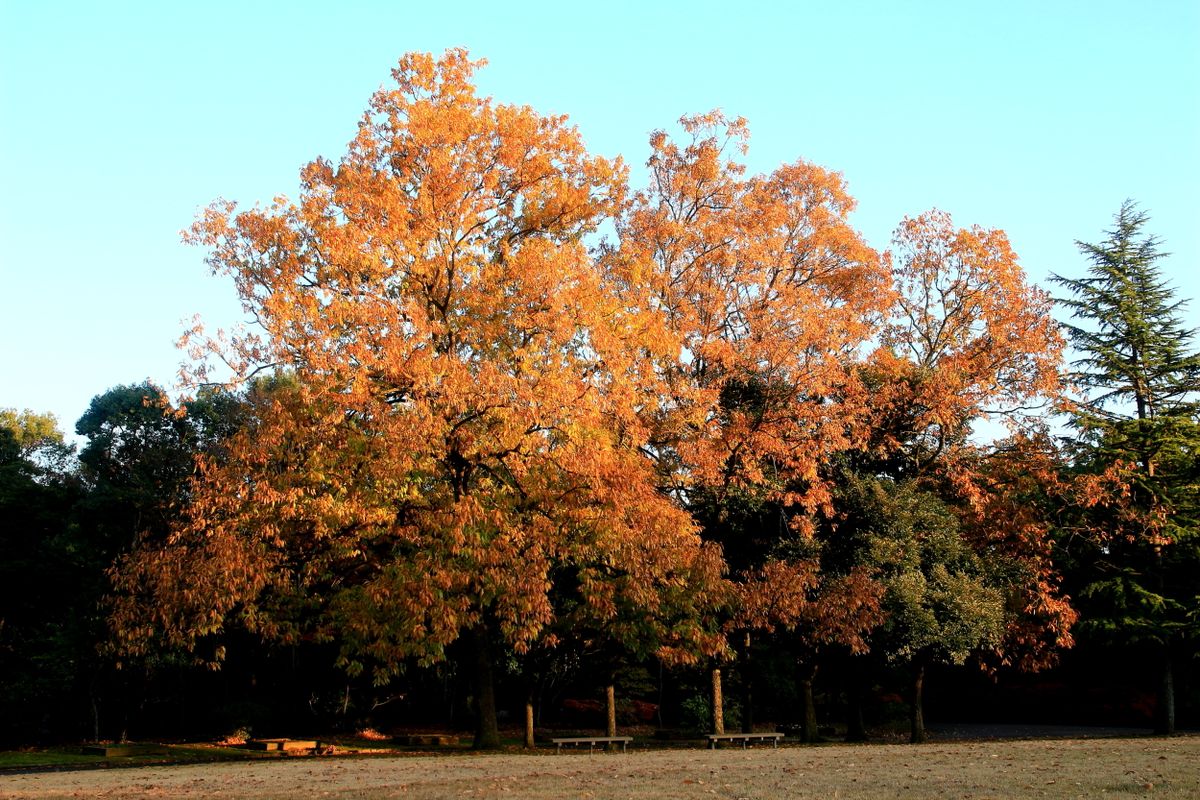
119 121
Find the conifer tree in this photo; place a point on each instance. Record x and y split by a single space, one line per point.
1137 420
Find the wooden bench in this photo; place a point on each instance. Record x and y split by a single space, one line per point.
592 741
744 738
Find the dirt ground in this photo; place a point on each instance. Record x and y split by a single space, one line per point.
1160 768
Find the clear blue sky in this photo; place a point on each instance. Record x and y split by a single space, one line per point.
118 121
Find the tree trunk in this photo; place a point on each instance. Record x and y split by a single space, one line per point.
658 719
487 730
918 734
1164 713
718 703
856 730
747 688
529 742
610 709
808 674
95 714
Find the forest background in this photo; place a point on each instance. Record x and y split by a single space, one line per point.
1136 164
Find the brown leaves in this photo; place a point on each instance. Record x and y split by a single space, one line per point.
820 608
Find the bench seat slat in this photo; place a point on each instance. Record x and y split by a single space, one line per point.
592 741
744 738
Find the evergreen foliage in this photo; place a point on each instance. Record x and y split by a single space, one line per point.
1137 425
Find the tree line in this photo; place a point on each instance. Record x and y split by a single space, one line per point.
503 420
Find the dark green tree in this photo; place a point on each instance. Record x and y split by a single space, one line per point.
135 467
139 455
944 602
42 560
1136 421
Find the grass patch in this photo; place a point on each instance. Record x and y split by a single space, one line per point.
31 759
71 757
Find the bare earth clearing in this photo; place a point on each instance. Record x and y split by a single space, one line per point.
1161 768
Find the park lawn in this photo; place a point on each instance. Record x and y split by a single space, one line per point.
1054 769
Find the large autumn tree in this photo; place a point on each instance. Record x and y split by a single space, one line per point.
768 293
935 512
970 342
467 419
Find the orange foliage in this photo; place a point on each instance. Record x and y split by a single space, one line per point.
820 609
764 287
465 415
1003 500
968 338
